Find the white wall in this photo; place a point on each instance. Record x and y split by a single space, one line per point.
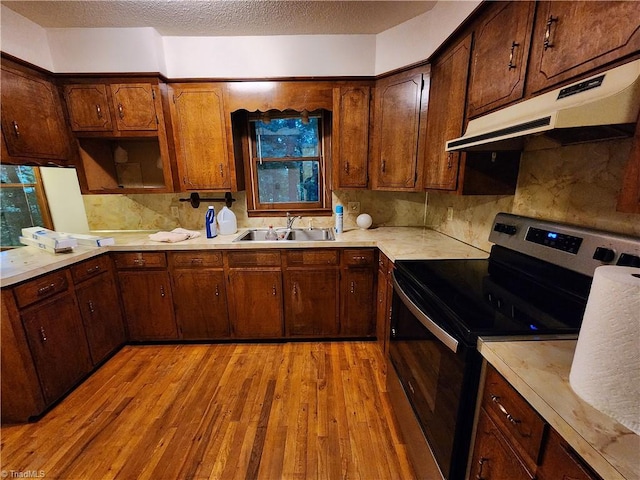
64 198
274 56
416 39
24 39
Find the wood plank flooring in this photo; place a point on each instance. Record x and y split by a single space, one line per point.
231 411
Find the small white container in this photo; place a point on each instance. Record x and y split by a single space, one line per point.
227 222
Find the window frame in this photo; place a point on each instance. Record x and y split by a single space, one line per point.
41 198
322 207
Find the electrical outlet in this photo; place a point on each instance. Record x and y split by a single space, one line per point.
174 212
449 213
353 207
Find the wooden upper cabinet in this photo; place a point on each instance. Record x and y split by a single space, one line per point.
398 109
113 108
134 106
33 125
351 136
445 118
500 53
202 135
88 107
572 38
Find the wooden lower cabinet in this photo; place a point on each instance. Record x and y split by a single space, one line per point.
357 293
200 303
311 302
383 305
148 305
58 344
255 303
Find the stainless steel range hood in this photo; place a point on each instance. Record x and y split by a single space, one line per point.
601 107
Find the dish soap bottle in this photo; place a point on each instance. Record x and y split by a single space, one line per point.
339 225
271 234
210 222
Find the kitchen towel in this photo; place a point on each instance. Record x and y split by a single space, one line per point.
606 365
175 235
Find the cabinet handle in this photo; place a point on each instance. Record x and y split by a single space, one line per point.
43 335
496 400
93 269
91 306
98 110
16 128
295 289
513 47
346 168
217 291
275 292
121 111
196 261
162 294
353 287
449 162
547 33
221 171
359 259
383 166
46 289
481 462
139 261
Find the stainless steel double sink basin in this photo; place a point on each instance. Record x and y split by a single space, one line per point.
287 235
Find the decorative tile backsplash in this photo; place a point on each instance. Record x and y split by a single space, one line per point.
574 184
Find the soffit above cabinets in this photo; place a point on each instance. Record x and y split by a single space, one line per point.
225 17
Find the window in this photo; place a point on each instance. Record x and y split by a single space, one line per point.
288 171
22 203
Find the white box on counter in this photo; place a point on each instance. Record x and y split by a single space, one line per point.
44 236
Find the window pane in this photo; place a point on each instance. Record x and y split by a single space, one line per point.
13 174
287 138
19 209
287 182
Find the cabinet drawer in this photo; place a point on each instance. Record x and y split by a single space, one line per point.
140 260
89 268
254 258
514 415
41 288
312 257
364 257
195 259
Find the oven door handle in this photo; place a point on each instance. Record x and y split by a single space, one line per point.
450 342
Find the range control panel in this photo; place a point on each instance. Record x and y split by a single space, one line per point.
576 248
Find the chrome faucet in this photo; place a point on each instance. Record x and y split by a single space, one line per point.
291 219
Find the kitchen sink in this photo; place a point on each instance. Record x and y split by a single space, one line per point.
287 235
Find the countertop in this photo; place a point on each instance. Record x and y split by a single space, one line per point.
539 371
397 243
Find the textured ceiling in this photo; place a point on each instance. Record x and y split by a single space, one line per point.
225 17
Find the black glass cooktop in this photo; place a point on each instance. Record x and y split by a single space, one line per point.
507 294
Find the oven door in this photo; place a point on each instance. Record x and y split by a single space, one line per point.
439 374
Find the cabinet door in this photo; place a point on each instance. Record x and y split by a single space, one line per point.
572 38
445 118
311 302
101 315
134 106
493 457
200 303
357 298
560 462
88 107
398 105
383 308
200 133
32 121
58 345
148 305
351 136
500 53
255 303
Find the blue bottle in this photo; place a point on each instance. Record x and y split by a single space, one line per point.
210 222
339 213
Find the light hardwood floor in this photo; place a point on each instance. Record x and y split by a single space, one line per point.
267 411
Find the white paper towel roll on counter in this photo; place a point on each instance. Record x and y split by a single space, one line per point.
606 365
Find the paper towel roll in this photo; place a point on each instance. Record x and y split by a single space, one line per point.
606 365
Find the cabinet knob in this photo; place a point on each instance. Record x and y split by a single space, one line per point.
121 111
513 47
217 291
98 110
16 128
43 335
162 292
91 306
547 32
274 290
